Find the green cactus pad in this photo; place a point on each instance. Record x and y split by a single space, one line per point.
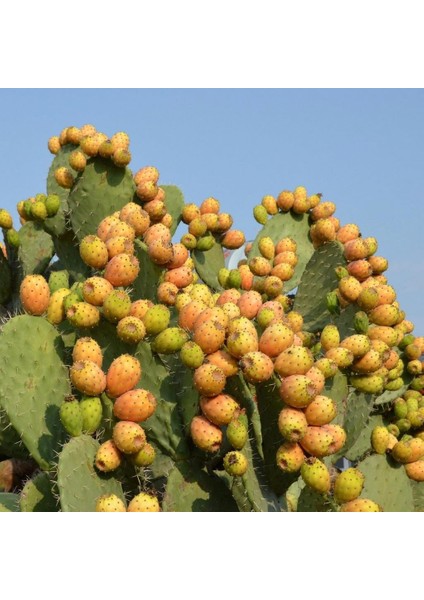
270 405
288 225
36 249
174 201
100 190
345 321
362 444
11 444
387 484
9 502
80 485
70 259
336 388
317 280
5 279
357 413
145 285
33 384
191 489
208 264
418 495
165 426
37 495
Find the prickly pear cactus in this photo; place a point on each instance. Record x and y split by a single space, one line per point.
139 373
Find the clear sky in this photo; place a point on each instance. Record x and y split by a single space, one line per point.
362 149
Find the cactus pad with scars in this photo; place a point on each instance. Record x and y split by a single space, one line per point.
36 249
37 495
191 489
318 278
387 484
208 264
33 384
174 202
80 485
98 192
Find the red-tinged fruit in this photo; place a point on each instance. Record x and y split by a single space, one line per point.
123 375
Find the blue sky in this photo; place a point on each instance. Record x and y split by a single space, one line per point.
362 149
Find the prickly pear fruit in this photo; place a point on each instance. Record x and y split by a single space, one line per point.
316 475
55 309
219 409
110 503
317 441
205 435
58 280
86 348
83 315
129 437
144 502
108 457
130 330
135 405
415 470
71 417
123 375
92 411
169 340
156 319
380 437
191 355
209 380
320 411
93 252
34 294
275 339
290 457
348 485
297 391
360 505
292 424
257 367
235 463
88 378
144 457
122 270
237 432
295 360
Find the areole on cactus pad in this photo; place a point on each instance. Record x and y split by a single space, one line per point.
138 373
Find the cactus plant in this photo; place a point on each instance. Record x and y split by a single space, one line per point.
302 273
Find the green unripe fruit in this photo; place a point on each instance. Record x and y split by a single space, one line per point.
332 302
361 322
52 204
393 429
58 280
205 243
223 275
38 211
116 306
191 355
12 238
189 241
237 432
144 457
234 279
92 411
156 319
71 417
169 341
260 214
400 408
403 425
235 463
